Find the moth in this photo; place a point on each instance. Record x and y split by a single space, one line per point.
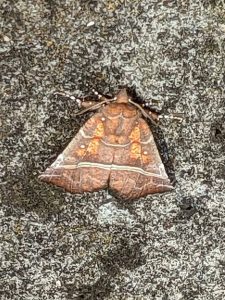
113 150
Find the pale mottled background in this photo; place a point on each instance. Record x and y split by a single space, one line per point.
60 246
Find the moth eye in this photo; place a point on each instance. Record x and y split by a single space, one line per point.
103 119
145 152
82 146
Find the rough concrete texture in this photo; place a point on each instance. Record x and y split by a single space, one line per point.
55 245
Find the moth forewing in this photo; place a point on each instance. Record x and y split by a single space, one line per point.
115 149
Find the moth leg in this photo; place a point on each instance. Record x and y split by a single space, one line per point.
156 116
147 113
153 104
89 106
153 115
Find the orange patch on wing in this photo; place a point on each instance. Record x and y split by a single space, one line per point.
99 131
135 149
94 144
145 158
81 152
135 135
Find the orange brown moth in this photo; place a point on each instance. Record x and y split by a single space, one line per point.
114 150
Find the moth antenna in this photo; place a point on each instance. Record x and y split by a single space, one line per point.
145 114
93 107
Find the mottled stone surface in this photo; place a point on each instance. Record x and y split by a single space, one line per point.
54 245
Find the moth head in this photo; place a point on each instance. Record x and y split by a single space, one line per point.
122 96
